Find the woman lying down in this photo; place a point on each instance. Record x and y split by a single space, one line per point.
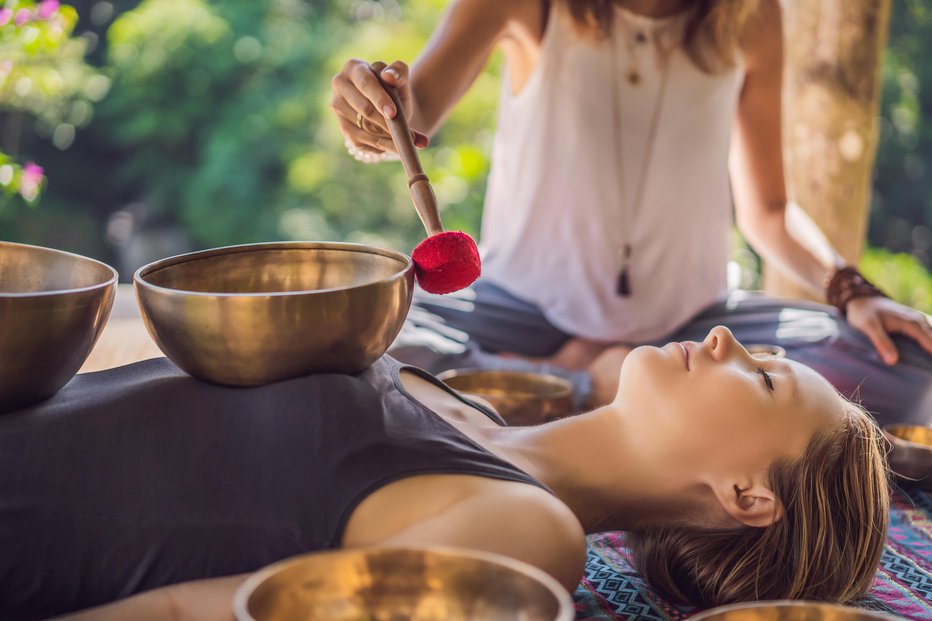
738 479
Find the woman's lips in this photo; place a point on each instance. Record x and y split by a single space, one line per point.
685 354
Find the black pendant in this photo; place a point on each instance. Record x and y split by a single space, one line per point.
623 287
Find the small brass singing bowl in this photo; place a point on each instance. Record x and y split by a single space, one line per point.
53 307
402 584
789 610
261 313
911 455
521 398
766 351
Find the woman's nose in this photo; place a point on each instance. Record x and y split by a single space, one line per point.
721 343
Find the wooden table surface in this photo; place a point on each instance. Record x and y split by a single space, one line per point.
124 339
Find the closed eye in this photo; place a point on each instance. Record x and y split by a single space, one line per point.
767 378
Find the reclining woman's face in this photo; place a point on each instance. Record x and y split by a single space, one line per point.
712 409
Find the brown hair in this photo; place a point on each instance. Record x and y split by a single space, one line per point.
826 546
713 30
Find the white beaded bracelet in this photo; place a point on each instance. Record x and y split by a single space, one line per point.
364 155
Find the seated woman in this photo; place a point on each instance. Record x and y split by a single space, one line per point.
738 479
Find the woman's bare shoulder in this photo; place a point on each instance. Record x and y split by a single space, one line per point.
762 40
532 525
518 520
516 18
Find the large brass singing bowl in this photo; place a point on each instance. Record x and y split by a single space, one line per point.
785 610
521 398
261 313
911 454
402 584
53 306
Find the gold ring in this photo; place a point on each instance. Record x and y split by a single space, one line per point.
359 120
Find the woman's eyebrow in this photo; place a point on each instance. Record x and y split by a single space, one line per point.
793 380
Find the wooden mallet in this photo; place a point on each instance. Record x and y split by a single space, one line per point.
445 261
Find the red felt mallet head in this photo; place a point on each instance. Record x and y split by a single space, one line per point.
446 261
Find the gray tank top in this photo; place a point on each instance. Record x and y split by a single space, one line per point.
141 476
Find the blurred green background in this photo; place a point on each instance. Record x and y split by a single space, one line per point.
163 126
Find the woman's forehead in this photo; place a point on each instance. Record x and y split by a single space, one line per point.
813 392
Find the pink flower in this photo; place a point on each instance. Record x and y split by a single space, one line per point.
32 173
5 16
46 9
22 16
30 181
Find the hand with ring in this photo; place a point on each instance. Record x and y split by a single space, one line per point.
361 106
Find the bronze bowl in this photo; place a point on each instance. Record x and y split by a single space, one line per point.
911 455
521 398
53 306
402 584
260 313
788 610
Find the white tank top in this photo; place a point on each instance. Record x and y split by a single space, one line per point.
555 220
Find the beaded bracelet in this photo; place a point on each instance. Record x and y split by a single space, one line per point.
845 284
362 155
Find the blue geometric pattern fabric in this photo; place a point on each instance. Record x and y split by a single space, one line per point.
612 590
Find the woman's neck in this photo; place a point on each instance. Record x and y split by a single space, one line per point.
597 469
593 462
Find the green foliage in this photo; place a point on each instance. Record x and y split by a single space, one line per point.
222 113
43 75
901 276
901 216
208 101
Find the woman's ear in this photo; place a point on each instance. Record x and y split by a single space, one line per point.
750 502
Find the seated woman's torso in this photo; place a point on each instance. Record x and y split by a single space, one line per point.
619 178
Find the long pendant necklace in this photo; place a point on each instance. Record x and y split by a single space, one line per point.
623 284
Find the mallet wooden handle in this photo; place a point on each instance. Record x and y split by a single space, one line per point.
425 202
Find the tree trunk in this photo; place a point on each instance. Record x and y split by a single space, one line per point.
832 83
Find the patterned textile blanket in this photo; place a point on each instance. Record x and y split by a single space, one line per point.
611 589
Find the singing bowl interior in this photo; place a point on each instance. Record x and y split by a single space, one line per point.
33 270
259 313
911 453
54 305
766 351
790 611
275 269
915 434
398 583
521 398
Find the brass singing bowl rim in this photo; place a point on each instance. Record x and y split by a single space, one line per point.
837 609
560 387
113 274
565 609
892 431
139 278
755 349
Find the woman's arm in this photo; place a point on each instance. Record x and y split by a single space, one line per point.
457 51
201 600
781 232
757 176
518 521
